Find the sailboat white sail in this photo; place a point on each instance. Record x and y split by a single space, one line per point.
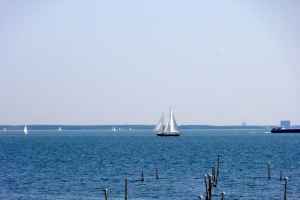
172 125
171 129
160 127
25 130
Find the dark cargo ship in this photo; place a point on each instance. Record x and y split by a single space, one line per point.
285 130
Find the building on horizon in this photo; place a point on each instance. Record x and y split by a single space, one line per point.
285 123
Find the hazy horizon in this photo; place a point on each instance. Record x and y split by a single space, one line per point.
99 62
133 124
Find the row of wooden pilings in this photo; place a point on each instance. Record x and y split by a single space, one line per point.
210 182
142 179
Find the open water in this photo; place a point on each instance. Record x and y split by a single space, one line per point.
80 164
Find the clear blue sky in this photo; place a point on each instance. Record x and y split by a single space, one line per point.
98 62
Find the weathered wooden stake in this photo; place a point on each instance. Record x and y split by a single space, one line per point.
206 187
222 195
269 170
156 174
214 176
218 169
105 193
280 176
142 176
126 189
210 184
285 187
213 172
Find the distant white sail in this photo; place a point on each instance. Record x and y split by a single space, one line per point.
170 129
160 127
25 130
172 125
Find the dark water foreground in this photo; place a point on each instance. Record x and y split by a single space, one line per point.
77 165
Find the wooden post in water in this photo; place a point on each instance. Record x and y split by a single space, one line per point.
126 189
105 193
156 174
142 176
213 172
210 184
280 176
269 170
285 188
218 169
206 187
222 195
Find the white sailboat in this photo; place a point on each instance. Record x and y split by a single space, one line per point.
171 129
25 130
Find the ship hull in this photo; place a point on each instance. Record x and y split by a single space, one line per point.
286 130
168 134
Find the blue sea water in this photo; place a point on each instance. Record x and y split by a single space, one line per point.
80 164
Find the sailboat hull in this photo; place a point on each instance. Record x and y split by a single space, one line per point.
168 134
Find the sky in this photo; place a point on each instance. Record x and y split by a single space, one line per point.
103 62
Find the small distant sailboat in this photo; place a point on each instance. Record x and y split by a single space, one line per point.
59 129
171 129
25 130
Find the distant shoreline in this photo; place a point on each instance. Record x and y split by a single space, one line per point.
124 126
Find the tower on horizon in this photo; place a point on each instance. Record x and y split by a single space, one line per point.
285 123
